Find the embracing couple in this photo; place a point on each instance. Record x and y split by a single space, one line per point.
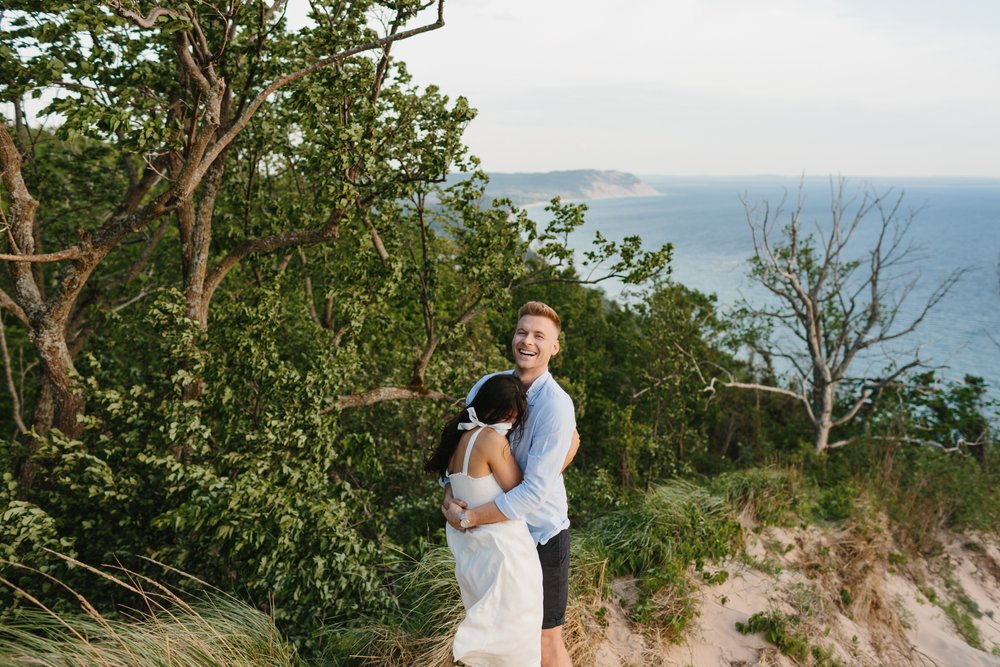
505 502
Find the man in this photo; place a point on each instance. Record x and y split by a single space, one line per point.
546 445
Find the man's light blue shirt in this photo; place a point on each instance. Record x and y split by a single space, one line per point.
540 450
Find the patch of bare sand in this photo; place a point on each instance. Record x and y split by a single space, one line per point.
843 594
622 646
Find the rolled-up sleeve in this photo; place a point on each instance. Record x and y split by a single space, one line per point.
551 437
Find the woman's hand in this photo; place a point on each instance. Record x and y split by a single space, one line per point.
452 509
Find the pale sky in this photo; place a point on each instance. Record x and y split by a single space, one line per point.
723 87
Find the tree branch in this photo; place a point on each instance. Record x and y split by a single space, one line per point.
283 81
61 256
21 229
11 387
147 21
11 306
292 239
387 394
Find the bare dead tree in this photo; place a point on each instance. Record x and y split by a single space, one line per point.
832 304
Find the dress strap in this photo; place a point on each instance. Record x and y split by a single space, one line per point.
468 451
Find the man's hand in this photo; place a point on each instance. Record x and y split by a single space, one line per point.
452 508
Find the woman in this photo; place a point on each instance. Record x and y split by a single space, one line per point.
496 565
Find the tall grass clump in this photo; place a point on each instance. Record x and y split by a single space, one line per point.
771 496
925 489
154 626
419 632
673 526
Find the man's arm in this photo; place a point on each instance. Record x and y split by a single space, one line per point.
574 445
488 513
551 441
477 516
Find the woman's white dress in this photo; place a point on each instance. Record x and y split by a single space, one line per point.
501 582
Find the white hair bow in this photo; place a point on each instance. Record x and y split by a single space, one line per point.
502 427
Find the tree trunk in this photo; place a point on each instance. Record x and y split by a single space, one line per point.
64 398
58 401
823 415
821 438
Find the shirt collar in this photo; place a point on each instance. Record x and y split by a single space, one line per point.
537 385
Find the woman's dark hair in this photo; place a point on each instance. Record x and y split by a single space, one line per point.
498 398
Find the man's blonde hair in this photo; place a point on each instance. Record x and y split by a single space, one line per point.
540 309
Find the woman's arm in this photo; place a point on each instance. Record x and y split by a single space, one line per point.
500 459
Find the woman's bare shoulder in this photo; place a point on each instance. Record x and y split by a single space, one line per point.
492 442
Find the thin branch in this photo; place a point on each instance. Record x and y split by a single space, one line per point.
11 387
292 239
387 394
11 306
147 21
71 253
873 389
915 441
147 252
763 387
279 5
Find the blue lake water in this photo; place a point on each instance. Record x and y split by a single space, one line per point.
956 226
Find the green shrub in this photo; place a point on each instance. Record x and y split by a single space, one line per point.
788 635
673 526
964 625
836 502
769 495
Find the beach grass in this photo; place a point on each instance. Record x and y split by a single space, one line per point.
154 626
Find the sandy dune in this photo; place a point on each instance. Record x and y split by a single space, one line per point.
850 593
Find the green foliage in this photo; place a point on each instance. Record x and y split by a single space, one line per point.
768 495
964 625
836 502
26 533
243 484
778 629
785 632
924 489
673 526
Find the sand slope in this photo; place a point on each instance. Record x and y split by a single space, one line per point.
848 591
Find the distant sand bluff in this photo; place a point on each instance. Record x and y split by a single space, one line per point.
530 188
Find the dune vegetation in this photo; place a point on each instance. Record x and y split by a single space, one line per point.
241 298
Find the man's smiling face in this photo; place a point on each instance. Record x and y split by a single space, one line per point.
536 340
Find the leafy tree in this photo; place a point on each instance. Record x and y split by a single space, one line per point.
173 89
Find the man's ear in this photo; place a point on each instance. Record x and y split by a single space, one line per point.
555 348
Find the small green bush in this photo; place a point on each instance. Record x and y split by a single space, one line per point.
674 526
964 624
770 495
786 633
